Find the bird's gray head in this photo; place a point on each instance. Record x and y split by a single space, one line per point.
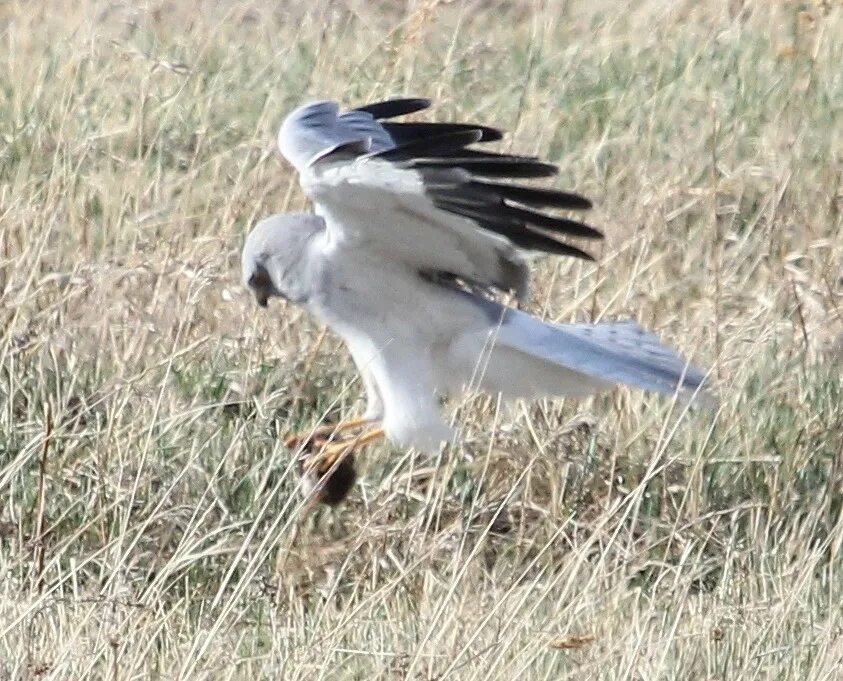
275 257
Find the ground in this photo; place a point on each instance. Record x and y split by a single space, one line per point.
147 506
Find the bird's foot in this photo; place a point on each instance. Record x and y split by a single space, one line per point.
329 474
322 433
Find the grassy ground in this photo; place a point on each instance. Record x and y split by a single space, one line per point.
147 508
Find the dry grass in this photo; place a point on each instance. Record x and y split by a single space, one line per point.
146 505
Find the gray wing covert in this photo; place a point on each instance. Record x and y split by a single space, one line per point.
316 130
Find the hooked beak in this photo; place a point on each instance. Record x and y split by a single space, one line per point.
262 298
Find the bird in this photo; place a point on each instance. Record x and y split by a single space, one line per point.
417 255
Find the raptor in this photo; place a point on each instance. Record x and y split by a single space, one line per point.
417 231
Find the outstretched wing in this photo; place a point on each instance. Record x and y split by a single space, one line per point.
416 192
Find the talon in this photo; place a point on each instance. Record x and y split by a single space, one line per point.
329 475
334 450
294 440
324 431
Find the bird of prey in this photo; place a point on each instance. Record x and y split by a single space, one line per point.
415 236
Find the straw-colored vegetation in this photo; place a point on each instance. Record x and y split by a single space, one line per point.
147 507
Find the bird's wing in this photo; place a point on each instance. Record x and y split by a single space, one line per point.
416 193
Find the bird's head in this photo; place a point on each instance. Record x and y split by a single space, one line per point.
274 261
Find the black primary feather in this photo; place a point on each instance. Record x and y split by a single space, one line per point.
517 232
403 133
500 166
457 180
391 108
545 221
494 208
531 196
430 147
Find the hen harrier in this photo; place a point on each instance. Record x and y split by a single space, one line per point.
415 235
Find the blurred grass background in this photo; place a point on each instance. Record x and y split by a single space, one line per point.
147 507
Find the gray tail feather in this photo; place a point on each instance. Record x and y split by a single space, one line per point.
610 352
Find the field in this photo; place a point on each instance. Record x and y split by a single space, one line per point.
148 510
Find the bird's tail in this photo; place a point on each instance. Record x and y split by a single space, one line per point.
526 357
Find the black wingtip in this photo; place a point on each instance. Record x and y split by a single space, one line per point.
541 197
550 222
404 132
390 108
489 165
513 229
432 147
541 243
490 134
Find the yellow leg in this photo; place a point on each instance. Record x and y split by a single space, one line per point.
335 449
323 431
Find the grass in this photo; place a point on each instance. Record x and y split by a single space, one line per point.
147 508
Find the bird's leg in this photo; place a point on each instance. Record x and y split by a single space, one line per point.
329 474
323 432
336 449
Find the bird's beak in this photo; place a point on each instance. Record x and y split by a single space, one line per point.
262 298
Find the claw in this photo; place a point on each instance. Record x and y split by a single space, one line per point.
324 432
320 432
336 449
328 475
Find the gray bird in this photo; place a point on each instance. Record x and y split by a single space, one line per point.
415 235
